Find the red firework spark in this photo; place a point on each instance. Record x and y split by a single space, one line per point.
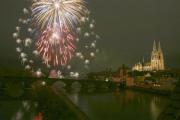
56 47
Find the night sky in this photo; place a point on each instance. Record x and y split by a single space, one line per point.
127 29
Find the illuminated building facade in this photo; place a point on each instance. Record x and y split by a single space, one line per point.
156 63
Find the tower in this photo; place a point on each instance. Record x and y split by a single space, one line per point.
161 57
154 56
157 58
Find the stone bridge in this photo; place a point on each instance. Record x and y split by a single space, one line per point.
27 82
13 85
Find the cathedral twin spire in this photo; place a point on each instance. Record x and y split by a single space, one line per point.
155 47
156 63
157 59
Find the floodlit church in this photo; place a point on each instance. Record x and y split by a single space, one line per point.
156 63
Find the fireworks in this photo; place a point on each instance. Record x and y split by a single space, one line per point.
56 48
61 13
52 33
57 20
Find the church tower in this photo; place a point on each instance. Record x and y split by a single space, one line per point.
154 57
157 58
161 57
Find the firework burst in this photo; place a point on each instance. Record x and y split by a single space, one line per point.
64 13
51 33
55 47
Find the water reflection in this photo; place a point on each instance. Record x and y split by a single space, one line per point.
120 104
17 110
38 116
59 86
75 87
75 98
117 105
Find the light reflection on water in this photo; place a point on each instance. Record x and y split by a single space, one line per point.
17 110
117 105
120 105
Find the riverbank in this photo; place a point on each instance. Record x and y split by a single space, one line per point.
150 90
58 104
81 115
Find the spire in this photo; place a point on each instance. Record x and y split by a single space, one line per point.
159 47
154 46
143 60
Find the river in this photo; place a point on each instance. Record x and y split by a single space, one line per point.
118 105
121 105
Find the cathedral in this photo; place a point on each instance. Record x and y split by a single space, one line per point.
156 63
